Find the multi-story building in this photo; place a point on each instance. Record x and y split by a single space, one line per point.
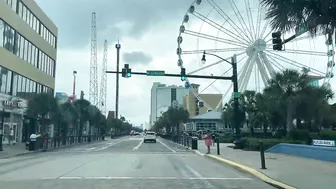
28 48
163 96
192 104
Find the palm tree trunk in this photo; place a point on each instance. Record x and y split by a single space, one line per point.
290 108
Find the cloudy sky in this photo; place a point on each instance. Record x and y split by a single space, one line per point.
148 31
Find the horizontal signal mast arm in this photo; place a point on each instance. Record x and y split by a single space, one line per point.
179 75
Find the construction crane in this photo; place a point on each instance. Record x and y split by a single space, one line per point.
93 88
103 81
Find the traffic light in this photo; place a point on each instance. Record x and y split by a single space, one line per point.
183 74
277 41
126 71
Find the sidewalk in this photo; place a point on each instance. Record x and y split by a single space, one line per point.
302 173
13 150
20 149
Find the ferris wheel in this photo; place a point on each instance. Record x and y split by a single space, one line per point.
224 28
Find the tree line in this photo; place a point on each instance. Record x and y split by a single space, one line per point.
289 97
170 121
69 118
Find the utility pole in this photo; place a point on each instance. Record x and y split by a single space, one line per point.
118 46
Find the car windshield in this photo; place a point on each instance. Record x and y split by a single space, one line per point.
150 133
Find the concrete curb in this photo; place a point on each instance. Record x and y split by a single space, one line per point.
248 170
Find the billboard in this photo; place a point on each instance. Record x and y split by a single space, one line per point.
61 97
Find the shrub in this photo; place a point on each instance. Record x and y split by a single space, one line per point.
327 135
298 134
253 144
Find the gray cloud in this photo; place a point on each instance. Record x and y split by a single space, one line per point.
73 18
137 58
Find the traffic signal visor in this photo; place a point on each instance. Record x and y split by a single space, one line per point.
123 72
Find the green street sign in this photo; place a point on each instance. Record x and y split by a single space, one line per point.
301 29
155 73
236 95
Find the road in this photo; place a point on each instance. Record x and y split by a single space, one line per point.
126 163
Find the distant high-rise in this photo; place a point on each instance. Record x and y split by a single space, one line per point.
162 97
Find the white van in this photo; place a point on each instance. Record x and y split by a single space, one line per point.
150 136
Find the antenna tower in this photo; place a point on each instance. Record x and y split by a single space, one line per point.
93 90
103 81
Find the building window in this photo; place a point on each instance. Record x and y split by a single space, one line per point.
12 4
2 28
24 49
35 23
15 84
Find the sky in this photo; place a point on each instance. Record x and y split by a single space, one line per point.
147 31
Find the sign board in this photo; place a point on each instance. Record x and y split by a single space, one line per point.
328 143
236 95
301 29
13 103
186 85
155 73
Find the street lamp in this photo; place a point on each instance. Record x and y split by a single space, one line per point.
74 85
233 63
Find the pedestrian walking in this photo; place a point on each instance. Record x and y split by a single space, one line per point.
11 136
213 137
208 141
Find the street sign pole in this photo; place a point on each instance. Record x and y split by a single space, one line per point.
236 95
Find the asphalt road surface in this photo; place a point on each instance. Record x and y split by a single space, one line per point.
125 163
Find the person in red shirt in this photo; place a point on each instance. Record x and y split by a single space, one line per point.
208 141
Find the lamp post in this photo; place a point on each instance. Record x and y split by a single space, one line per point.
233 63
74 86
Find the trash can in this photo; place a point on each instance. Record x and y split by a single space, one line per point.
194 143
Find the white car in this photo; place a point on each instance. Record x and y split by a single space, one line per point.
150 136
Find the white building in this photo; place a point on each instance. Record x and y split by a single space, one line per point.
162 96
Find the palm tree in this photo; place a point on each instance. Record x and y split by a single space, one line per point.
69 116
82 107
285 87
314 105
285 15
43 107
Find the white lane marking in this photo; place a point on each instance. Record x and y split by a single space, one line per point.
146 178
91 149
111 144
167 146
198 175
138 146
199 153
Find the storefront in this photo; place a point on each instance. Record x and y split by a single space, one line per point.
12 110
